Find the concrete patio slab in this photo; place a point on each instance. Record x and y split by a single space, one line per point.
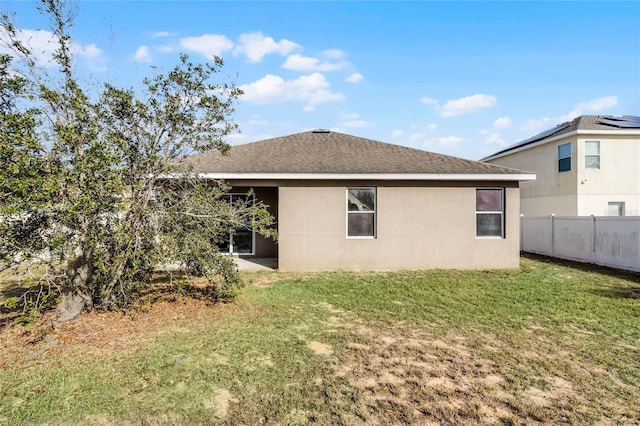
256 263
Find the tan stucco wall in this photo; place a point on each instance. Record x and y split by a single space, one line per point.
581 191
418 227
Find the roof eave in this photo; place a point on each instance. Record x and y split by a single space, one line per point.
372 176
619 132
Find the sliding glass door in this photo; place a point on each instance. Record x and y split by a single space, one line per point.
241 239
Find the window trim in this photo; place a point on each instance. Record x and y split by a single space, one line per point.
564 158
374 212
502 235
591 155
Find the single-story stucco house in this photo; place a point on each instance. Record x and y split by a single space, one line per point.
343 202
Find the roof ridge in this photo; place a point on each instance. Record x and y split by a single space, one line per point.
336 153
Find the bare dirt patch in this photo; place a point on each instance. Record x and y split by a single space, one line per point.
412 378
220 403
320 348
329 307
334 321
265 281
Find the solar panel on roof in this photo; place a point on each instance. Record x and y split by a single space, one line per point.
625 121
616 121
539 136
546 133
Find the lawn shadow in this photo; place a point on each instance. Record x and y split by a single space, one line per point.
10 314
618 292
8 319
611 291
165 285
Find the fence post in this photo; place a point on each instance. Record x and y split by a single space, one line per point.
521 231
593 239
553 240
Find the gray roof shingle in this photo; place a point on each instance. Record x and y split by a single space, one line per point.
328 152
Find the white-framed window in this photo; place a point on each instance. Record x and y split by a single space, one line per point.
591 154
616 208
361 212
564 157
490 212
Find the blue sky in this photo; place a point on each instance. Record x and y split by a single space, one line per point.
459 78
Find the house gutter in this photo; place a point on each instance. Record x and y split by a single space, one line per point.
560 137
365 176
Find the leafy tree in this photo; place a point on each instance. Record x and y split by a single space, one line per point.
93 187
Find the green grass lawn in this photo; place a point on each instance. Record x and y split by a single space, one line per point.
548 343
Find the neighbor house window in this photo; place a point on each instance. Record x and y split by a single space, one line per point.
616 208
490 212
592 154
564 157
361 212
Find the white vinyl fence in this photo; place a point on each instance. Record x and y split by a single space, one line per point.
606 241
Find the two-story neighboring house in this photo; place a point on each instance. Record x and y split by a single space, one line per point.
587 166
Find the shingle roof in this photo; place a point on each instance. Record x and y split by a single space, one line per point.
328 152
584 122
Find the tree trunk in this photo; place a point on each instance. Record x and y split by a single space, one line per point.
76 296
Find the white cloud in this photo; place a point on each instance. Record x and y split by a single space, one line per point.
431 126
354 78
333 54
306 63
43 45
256 46
397 133
142 54
272 89
88 51
209 45
467 105
598 104
594 105
449 141
429 101
495 139
502 123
